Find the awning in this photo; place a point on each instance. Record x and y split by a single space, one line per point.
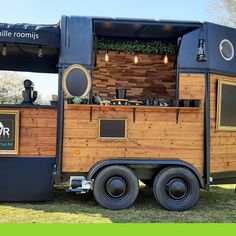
22 43
48 35
143 29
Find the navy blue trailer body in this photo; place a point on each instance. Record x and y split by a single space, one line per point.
201 48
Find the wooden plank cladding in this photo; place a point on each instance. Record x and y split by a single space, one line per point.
155 133
223 143
192 86
149 78
38 129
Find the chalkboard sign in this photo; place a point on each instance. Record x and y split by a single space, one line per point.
112 128
9 132
76 81
226 105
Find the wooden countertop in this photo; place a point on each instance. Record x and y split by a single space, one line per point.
131 108
3 106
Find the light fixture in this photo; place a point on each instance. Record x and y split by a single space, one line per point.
201 51
4 50
166 60
106 56
135 59
201 55
40 51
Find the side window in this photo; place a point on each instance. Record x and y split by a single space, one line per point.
226 105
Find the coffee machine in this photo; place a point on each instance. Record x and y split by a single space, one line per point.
29 95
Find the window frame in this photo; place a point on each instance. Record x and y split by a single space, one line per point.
232 47
220 127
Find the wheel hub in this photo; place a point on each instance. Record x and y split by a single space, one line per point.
177 189
116 187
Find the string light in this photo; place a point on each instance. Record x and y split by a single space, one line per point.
40 52
135 59
166 60
4 50
106 56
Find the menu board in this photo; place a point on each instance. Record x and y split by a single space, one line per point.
9 132
112 128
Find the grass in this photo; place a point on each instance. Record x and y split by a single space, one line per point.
218 205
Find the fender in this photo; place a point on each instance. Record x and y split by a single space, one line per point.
145 163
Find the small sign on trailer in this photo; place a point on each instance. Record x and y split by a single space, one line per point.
9 132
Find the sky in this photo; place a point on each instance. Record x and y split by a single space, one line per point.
50 12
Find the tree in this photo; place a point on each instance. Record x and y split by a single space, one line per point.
223 12
11 87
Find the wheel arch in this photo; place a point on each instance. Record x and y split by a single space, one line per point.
145 163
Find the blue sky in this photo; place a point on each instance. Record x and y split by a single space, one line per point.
50 11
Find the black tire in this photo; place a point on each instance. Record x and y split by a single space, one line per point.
176 188
148 182
116 187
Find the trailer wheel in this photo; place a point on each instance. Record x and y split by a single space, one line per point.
116 187
176 188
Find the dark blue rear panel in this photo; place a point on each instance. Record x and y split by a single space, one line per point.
26 179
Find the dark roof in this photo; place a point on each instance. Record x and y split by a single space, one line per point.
141 28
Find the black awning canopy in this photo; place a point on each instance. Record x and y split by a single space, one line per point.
20 57
22 43
143 29
47 35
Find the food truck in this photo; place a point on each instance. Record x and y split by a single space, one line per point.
138 100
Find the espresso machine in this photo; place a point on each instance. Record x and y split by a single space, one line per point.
29 95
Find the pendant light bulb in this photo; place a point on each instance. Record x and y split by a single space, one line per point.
166 60
135 59
4 50
40 52
106 56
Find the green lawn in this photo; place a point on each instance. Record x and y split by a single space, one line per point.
218 205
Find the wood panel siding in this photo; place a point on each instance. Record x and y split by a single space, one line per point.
149 78
192 86
154 134
38 128
223 143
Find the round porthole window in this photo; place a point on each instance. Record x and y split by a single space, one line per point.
226 49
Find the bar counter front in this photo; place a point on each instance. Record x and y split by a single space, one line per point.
93 133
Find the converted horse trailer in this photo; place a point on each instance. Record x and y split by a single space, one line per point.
137 100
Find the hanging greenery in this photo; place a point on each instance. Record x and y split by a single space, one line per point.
145 47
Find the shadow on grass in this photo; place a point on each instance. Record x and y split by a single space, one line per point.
218 205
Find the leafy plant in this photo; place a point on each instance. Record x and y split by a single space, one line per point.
80 100
69 96
137 46
69 99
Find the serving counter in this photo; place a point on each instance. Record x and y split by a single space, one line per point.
144 132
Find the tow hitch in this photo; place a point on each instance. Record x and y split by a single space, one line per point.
79 184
